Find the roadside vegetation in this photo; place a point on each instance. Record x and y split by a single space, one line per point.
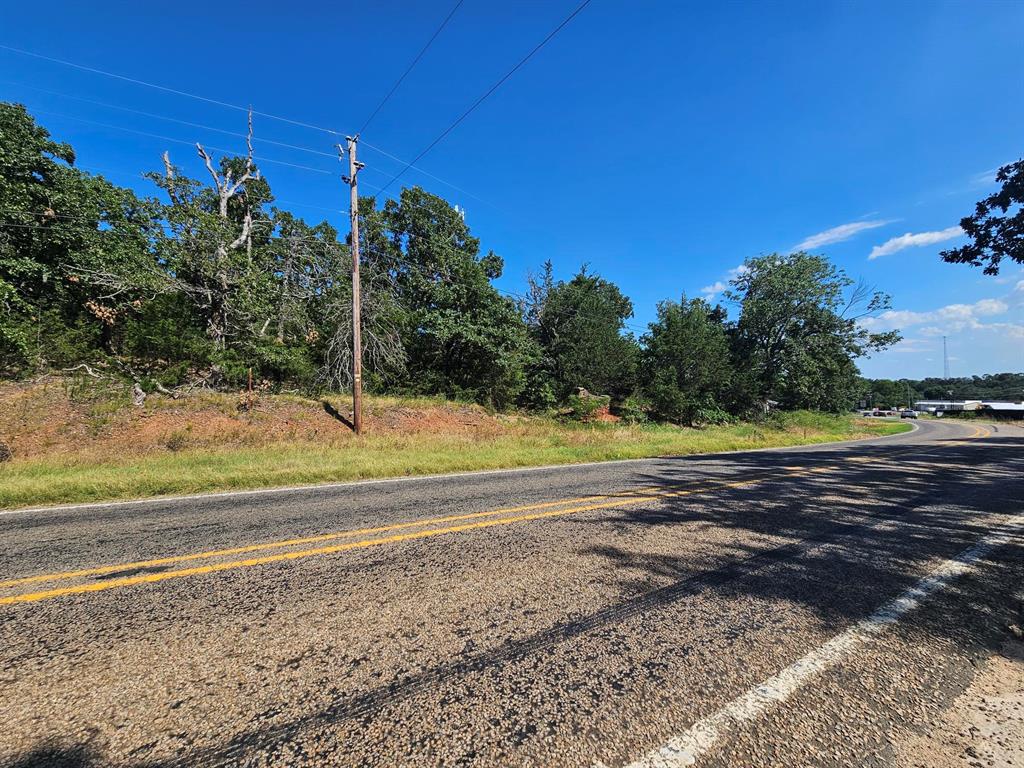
200 338
74 441
206 284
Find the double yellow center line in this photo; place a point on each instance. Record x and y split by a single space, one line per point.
537 512
465 522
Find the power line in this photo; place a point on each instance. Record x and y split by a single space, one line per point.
368 145
192 143
98 219
228 105
93 169
488 92
140 176
177 141
105 232
166 89
236 134
104 218
309 205
411 265
171 119
411 66
51 215
164 227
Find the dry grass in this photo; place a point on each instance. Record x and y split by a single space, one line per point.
75 442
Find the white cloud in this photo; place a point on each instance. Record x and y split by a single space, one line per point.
985 178
1004 279
742 269
838 234
986 336
710 291
913 345
948 320
991 307
910 240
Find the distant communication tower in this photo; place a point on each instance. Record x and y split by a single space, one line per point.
945 360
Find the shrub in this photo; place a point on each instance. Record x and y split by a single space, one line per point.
708 412
632 410
672 404
584 407
177 440
539 392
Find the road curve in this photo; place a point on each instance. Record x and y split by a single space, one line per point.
804 606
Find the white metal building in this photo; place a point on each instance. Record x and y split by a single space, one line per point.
996 408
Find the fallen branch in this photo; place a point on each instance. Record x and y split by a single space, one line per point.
88 370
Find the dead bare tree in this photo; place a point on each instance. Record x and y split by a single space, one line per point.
383 351
211 245
864 301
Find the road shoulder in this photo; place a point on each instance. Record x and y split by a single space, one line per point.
984 727
442 476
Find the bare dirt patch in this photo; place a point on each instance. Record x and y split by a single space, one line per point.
985 726
57 417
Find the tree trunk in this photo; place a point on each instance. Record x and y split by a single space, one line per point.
286 277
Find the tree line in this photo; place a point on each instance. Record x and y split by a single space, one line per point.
209 278
886 393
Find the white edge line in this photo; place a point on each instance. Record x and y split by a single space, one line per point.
687 748
410 478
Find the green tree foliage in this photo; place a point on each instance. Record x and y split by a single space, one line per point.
579 327
798 335
209 279
64 233
461 337
686 367
214 244
995 386
997 225
887 393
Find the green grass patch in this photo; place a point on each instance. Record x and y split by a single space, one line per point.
69 478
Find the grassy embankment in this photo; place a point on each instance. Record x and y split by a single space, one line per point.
75 443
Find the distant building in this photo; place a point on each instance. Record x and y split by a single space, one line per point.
986 407
947 406
1003 410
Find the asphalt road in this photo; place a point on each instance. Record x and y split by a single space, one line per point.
808 606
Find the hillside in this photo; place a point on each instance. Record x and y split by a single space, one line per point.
76 439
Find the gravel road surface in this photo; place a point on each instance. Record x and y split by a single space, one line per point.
822 606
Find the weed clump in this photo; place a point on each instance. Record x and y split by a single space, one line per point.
178 440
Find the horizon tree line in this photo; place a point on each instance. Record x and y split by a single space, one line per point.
205 280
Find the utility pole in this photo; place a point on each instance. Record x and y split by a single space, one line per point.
357 339
945 360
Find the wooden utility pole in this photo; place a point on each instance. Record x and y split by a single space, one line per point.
357 339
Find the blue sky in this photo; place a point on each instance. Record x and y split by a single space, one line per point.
662 143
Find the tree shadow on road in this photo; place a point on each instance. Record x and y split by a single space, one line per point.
836 532
840 551
50 754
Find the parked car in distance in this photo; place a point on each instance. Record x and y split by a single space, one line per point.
908 414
